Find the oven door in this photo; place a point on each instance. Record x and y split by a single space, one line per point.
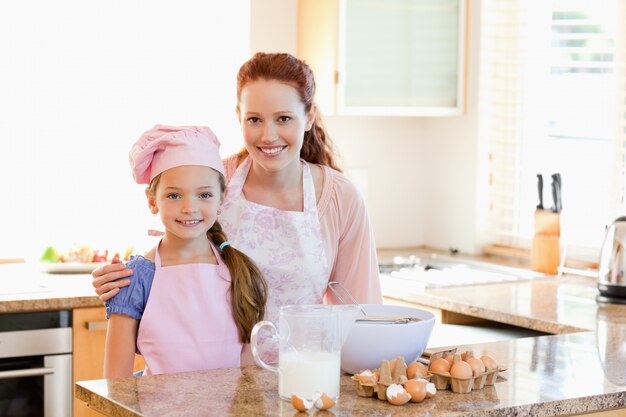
36 386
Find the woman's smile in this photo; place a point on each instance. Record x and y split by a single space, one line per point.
271 150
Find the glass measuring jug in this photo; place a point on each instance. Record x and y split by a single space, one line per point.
309 352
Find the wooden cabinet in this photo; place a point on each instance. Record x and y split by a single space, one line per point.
386 57
89 328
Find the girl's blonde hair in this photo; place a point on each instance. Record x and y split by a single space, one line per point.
317 147
248 288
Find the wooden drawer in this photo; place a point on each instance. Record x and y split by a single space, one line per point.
89 336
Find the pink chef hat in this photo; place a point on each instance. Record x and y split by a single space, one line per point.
165 147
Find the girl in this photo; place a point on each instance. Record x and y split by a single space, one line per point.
193 299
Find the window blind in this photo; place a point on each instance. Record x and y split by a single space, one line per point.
500 116
553 99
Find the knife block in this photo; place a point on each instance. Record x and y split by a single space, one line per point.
545 253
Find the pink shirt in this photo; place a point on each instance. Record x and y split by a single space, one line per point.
347 234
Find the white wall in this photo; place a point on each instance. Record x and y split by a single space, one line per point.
79 83
422 172
391 151
273 25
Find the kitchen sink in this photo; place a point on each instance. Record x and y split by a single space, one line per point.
437 271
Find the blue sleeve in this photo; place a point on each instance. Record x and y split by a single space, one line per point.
132 299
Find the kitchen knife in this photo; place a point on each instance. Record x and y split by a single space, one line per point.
556 193
540 190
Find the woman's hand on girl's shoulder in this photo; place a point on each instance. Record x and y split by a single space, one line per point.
104 279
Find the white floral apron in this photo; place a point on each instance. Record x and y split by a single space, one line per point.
286 245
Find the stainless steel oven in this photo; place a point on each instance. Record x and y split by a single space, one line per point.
36 364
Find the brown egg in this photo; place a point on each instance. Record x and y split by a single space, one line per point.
324 402
416 389
490 363
439 365
464 356
397 395
478 367
449 358
461 369
300 403
416 370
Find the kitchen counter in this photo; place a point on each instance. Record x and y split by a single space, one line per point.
543 377
24 288
578 369
545 304
546 376
550 305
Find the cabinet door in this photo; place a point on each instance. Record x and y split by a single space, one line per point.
89 330
390 57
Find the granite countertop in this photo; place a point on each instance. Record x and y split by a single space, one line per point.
23 287
546 376
550 305
579 369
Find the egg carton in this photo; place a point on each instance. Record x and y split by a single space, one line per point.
442 353
364 389
385 377
444 381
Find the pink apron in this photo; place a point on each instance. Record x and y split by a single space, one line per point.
188 324
286 245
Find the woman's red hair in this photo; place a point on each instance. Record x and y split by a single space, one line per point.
317 147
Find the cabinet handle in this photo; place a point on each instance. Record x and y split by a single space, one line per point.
23 373
96 325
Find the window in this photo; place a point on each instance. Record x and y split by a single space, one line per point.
409 62
553 100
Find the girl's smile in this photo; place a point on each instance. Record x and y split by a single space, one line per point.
190 223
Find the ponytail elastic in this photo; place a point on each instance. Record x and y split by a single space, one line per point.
224 244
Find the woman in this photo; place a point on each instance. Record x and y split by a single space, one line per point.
287 204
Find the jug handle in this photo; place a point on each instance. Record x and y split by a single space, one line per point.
253 344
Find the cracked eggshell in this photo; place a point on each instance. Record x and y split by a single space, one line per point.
367 377
300 403
397 395
416 389
431 390
324 402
